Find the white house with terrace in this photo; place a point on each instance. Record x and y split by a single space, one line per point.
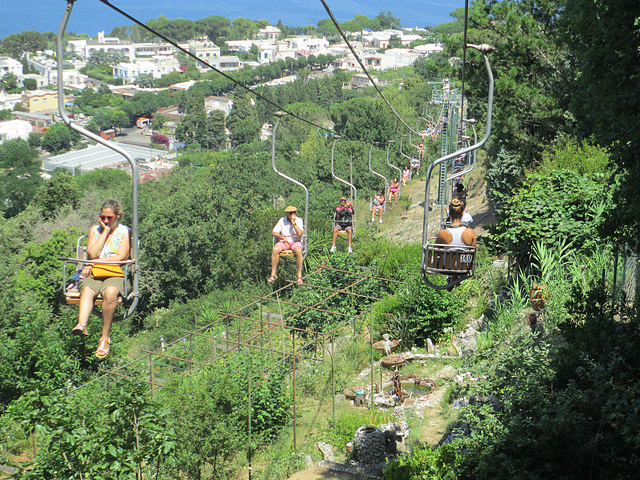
156 67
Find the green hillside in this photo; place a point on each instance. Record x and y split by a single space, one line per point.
219 374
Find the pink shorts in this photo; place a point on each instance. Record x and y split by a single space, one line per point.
289 246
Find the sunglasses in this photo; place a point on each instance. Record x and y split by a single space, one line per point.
106 217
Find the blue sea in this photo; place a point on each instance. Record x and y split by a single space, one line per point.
92 16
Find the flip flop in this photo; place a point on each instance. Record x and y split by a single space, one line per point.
272 279
103 349
300 282
80 331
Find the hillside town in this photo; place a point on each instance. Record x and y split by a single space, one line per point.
30 82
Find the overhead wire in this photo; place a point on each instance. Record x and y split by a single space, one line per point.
253 92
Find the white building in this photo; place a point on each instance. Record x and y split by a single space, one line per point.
267 53
84 48
9 100
13 129
218 103
360 80
207 51
153 49
382 39
429 48
291 47
398 57
10 65
240 45
157 67
269 33
41 80
72 78
227 63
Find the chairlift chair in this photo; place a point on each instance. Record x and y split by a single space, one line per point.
457 262
386 184
406 156
70 284
396 168
343 233
133 295
288 254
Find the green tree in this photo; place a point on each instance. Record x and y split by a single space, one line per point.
605 102
42 271
119 119
554 207
192 72
114 434
365 119
21 177
61 190
243 121
388 21
30 84
9 81
158 122
204 406
216 28
59 137
215 130
145 80
532 73
35 139
17 44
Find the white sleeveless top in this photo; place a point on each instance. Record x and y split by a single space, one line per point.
456 232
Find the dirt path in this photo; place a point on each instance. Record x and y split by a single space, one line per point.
405 225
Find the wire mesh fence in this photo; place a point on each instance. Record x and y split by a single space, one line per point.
290 326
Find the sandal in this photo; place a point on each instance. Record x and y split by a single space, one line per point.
103 349
80 331
300 282
272 279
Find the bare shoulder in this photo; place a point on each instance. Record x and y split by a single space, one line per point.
444 237
469 237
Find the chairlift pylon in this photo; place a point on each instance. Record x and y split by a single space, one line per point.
405 155
395 168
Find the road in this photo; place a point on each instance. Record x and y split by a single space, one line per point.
132 136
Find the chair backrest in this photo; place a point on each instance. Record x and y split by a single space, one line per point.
448 260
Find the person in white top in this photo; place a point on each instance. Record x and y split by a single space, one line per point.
456 234
111 241
289 231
